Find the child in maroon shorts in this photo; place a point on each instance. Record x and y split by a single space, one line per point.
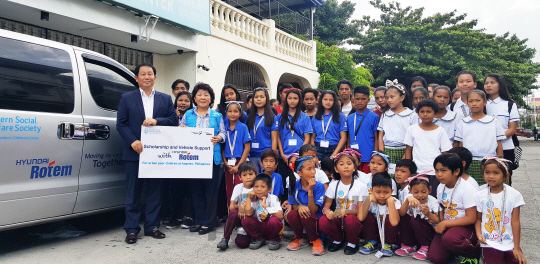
380 217
266 217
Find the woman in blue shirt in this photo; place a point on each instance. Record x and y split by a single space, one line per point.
294 128
262 126
329 126
204 192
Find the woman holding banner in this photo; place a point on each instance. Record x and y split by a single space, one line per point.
205 191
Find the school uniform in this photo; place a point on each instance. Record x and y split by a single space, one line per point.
362 129
239 196
448 123
459 240
370 226
292 138
394 127
473 182
461 109
500 242
499 109
243 119
277 184
327 133
417 229
480 138
263 225
261 139
346 198
310 224
234 148
320 176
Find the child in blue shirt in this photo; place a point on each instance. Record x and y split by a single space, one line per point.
262 126
237 146
269 161
306 196
362 127
329 126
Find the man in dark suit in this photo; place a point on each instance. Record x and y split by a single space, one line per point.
146 107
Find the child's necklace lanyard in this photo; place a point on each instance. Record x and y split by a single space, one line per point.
452 196
296 197
327 126
257 128
380 223
234 142
498 224
291 127
346 199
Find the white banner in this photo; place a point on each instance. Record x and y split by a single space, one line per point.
176 152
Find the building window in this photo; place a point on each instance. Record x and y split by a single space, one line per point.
243 74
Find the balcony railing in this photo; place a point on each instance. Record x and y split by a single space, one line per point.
230 22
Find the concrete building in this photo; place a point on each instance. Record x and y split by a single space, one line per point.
210 41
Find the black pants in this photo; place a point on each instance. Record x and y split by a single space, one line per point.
204 193
510 155
283 170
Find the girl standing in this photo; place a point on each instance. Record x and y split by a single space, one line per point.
294 128
497 226
501 106
329 127
262 126
394 123
230 93
419 94
306 197
205 192
380 99
479 133
183 103
348 193
309 105
237 146
418 81
444 118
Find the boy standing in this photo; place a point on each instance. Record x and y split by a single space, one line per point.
425 141
363 127
466 157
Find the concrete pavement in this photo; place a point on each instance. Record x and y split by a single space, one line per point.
104 242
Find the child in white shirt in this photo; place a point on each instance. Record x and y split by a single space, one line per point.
425 141
497 226
379 162
466 158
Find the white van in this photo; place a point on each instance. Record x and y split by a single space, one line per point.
61 155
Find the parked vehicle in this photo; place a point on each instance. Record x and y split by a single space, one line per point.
524 132
61 153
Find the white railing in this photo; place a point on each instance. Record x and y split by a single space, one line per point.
235 23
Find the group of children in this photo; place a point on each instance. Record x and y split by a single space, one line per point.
351 194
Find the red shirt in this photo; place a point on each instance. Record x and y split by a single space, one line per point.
377 111
278 109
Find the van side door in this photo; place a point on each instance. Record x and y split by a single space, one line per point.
102 177
40 122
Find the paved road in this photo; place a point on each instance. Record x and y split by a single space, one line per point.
104 241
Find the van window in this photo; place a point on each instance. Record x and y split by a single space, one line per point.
107 84
35 78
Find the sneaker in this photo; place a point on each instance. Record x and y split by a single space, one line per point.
369 247
333 247
187 222
470 261
223 244
174 224
387 250
318 248
350 250
274 245
421 254
405 250
297 244
256 244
